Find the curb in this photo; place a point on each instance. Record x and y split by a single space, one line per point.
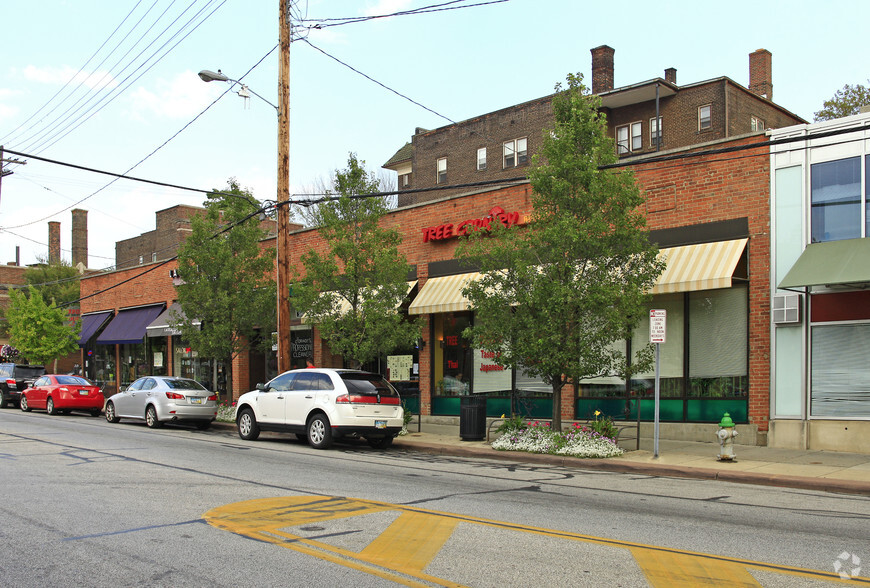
835 485
673 471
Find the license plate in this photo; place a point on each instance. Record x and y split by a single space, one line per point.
380 424
83 392
196 400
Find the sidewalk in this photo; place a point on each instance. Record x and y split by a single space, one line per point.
805 469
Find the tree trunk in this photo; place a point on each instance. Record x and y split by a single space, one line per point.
228 377
557 404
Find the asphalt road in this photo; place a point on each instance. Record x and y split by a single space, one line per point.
88 503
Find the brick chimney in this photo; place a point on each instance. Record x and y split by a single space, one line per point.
602 69
761 73
53 242
80 237
671 75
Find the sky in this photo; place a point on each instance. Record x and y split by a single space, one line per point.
112 86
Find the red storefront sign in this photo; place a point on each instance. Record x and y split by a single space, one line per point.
449 230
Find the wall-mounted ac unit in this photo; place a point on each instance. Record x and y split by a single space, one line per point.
787 309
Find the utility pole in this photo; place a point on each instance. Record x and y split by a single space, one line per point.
3 172
282 254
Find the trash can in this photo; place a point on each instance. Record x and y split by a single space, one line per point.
472 417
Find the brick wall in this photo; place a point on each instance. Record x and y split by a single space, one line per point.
718 188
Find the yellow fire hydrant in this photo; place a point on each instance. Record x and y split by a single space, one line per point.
726 435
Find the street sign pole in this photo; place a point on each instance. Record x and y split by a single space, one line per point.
657 335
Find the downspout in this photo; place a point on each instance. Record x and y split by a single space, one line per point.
658 127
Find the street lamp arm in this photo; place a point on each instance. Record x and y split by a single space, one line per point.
207 75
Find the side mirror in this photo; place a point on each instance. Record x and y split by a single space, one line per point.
122 389
262 387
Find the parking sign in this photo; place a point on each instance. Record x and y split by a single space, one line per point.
657 325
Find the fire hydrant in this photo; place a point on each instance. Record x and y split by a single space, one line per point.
726 435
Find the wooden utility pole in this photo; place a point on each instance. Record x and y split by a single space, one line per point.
283 197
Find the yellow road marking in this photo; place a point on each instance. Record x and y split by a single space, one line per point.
675 570
407 546
411 542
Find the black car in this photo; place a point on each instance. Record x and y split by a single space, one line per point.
15 377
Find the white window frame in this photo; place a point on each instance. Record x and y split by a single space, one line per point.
655 126
441 170
623 144
515 152
636 136
705 123
756 124
481 159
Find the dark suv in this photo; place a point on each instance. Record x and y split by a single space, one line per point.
14 378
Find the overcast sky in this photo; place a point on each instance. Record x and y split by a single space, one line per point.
104 84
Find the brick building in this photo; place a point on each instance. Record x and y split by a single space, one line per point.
644 117
172 226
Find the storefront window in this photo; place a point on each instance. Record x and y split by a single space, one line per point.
836 200
453 363
670 354
208 372
488 375
158 354
840 378
301 347
103 360
718 336
134 363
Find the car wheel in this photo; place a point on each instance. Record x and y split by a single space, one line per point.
249 430
22 404
95 412
379 442
110 413
203 425
319 433
49 406
151 417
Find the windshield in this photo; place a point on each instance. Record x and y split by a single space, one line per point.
28 371
367 384
184 385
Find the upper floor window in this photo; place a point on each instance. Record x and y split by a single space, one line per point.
442 171
756 124
404 180
836 209
629 138
154 257
705 117
141 260
481 158
655 131
515 152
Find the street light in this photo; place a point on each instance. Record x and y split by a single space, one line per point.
283 193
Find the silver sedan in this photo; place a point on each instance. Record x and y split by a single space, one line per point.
161 399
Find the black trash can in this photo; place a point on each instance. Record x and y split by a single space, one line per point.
472 417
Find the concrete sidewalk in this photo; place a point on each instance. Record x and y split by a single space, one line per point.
812 470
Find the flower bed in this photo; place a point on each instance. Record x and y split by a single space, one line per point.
537 437
226 412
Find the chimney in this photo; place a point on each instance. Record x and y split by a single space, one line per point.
671 75
761 73
602 69
80 237
53 242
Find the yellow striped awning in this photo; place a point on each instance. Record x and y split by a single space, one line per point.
443 294
705 266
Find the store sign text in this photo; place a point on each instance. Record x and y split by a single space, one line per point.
449 230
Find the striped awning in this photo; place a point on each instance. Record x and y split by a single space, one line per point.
705 266
443 294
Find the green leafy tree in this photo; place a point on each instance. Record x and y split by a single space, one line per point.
228 284
41 332
556 293
845 102
57 281
352 291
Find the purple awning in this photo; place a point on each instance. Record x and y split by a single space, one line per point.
91 323
129 325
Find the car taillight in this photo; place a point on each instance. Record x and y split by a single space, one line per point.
174 396
11 383
212 397
360 399
63 389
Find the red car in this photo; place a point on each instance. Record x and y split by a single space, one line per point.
63 393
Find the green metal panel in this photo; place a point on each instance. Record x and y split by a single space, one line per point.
710 410
411 404
445 405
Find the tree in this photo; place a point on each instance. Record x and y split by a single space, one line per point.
228 284
58 282
557 292
41 332
353 290
845 102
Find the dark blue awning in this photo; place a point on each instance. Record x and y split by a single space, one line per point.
129 325
91 323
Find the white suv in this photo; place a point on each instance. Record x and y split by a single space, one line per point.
320 405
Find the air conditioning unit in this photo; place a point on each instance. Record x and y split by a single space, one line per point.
787 309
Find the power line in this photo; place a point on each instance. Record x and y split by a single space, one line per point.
334 22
